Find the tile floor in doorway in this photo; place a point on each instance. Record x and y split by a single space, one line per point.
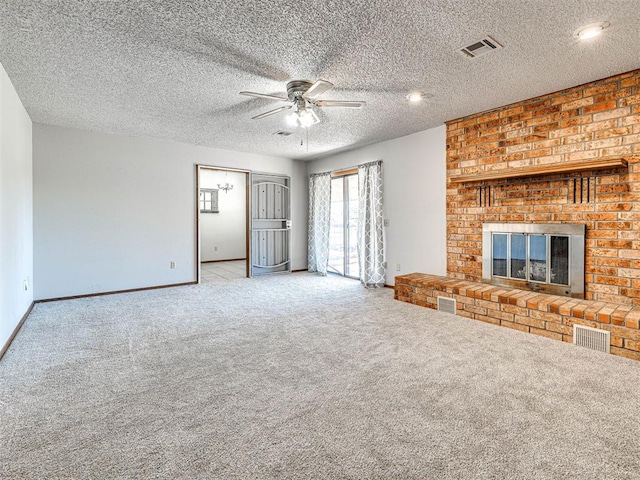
217 271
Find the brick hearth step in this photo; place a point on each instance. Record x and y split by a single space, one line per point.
551 316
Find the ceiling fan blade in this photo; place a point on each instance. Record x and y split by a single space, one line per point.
271 112
339 103
317 89
264 95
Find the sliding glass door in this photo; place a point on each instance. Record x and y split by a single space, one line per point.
343 247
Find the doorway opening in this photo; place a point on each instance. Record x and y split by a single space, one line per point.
222 224
343 230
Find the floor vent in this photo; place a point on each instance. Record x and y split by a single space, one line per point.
482 47
282 133
447 305
592 338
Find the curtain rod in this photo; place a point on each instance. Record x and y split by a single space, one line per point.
351 170
346 171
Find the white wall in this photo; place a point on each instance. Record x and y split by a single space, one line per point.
414 196
111 211
223 235
16 209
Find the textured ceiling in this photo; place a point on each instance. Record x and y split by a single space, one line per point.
173 69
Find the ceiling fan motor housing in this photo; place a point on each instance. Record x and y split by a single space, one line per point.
297 88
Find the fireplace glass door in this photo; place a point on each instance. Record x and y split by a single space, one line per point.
527 257
538 258
559 260
546 258
518 256
500 254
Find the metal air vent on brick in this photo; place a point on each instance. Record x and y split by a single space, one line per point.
593 338
282 133
480 48
446 304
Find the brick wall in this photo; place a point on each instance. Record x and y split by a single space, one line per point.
596 120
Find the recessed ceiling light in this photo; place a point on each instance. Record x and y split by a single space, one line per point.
590 31
416 97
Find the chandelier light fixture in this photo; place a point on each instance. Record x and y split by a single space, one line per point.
226 187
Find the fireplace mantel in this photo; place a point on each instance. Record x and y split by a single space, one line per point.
538 170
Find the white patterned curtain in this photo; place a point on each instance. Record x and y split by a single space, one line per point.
319 221
370 225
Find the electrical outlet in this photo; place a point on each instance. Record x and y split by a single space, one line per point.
25 284
215 249
397 267
386 222
172 264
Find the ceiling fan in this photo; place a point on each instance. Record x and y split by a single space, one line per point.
303 97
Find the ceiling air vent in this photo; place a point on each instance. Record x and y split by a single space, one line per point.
484 46
282 133
447 305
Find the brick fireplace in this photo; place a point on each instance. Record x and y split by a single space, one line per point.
598 120
569 157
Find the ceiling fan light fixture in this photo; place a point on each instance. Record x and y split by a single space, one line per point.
292 119
310 118
590 31
306 117
302 117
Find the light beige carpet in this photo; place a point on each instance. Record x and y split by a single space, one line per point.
301 376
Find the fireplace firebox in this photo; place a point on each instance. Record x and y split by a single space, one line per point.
548 258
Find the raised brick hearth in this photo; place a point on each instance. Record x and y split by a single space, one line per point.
542 314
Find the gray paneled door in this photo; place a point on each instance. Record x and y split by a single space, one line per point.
270 224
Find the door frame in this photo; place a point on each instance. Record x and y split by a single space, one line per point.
247 175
